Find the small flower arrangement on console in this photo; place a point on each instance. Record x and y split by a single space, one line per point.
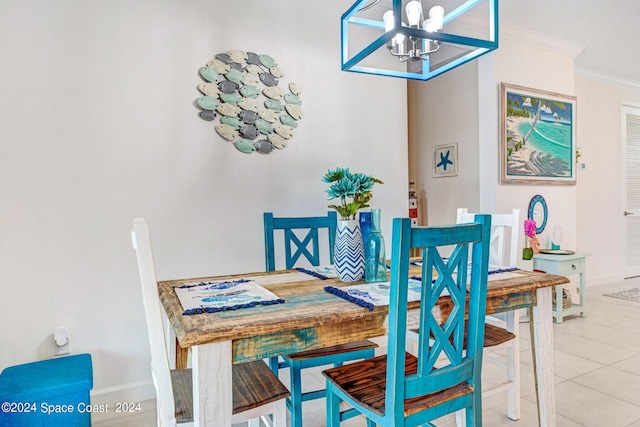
353 190
532 246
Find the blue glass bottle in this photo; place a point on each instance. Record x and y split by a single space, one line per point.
375 268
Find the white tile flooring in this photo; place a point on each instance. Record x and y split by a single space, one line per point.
597 373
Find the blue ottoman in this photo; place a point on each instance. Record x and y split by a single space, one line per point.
52 392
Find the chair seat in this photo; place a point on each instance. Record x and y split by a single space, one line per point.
253 385
365 381
335 349
493 335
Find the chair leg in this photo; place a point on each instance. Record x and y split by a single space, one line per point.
513 366
296 394
370 423
273 365
280 414
461 418
333 409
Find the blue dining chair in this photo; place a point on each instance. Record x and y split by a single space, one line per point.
400 389
308 247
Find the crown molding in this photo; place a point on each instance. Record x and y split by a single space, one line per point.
589 74
540 40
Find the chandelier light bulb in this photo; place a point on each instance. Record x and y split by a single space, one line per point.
430 26
387 18
436 13
414 13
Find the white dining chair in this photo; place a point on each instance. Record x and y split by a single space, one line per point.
257 392
503 253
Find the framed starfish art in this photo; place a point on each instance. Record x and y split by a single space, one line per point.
445 160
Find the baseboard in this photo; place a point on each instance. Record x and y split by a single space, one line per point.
124 393
603 280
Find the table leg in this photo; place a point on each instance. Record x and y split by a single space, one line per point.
212 397
541 326
559 306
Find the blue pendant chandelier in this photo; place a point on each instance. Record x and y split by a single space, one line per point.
397 38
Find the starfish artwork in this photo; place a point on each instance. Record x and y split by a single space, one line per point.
444 160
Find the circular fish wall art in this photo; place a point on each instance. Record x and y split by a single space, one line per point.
243 94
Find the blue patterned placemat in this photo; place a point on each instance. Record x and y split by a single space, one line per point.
368 295
211 297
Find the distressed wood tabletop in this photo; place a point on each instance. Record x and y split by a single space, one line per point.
312 317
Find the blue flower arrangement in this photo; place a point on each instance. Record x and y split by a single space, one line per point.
346 185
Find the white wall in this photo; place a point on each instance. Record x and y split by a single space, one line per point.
463 106
525 65
99 127
445 111
599 194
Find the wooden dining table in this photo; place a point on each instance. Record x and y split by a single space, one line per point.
311 318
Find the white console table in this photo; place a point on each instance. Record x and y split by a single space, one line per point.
565 265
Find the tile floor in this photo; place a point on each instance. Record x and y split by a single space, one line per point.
597 371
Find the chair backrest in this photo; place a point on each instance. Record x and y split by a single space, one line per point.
153 312
445 342
501 226
294 246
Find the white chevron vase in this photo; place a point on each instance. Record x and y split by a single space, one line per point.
348 253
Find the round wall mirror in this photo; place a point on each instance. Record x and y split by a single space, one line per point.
538 212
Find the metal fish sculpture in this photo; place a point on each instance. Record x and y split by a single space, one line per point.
237 66
273 92
239 56
294 110
219 66
295 89
277 71
234 122
209 74
268 79
250 91
284 131
264 146
253 69
226 131
253 58
207 115
286 119
231 98
244 145
250 79
209 88
208 102
250 104
228 110
249 131
290 98
263 126
277 140
268 115
273 104
224 58
248 116
268 61
234 76
227 86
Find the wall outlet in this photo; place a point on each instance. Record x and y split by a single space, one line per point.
62 341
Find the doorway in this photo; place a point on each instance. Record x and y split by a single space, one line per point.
631 193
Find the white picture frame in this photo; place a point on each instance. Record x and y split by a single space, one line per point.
445 160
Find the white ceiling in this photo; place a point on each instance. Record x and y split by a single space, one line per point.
609 31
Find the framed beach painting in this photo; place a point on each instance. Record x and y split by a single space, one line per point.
538 137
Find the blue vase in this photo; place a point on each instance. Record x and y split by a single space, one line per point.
375 257
365 227
348 253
